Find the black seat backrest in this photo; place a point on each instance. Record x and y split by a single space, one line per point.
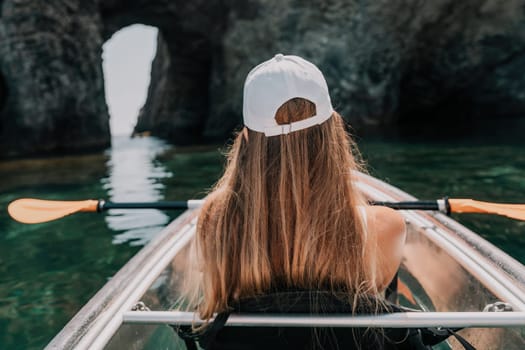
217 337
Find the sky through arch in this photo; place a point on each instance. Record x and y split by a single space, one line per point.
126 62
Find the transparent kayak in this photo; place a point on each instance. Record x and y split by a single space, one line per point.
455 276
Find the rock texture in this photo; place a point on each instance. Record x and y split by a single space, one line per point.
396 68
51 82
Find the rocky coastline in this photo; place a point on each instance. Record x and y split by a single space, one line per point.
394 68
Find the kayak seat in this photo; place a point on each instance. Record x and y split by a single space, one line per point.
219 337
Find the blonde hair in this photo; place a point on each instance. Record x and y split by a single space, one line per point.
285 214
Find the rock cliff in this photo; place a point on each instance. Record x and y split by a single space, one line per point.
51 82
397 68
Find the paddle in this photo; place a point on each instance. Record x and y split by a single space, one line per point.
449 205
33 211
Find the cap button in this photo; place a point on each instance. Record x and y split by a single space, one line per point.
279 57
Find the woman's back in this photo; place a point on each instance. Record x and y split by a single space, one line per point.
286 211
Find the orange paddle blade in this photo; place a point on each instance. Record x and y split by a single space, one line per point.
403 290
515 211
34 211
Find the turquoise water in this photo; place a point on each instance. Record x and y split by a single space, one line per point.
488 173
48 271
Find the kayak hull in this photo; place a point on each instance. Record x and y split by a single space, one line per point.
446 268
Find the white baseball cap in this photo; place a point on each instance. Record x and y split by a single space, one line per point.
272 83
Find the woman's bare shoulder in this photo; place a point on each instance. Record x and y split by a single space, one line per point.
386 222
387 227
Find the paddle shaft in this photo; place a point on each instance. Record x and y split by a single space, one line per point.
439 205
190 204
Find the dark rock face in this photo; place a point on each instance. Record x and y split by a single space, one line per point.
396 68
402 68
460 75
51 83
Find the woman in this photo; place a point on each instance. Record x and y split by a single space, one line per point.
286 216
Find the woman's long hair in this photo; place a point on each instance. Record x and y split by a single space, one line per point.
285 214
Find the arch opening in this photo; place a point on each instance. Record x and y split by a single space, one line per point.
127 59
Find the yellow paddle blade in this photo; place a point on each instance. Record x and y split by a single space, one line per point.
34 211
515 211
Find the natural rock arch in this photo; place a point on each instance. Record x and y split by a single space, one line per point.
390 65
178 100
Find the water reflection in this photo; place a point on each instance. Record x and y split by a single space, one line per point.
49 271
134 175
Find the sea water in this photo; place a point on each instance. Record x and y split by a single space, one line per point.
48 271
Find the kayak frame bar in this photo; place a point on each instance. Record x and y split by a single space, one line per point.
394 320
